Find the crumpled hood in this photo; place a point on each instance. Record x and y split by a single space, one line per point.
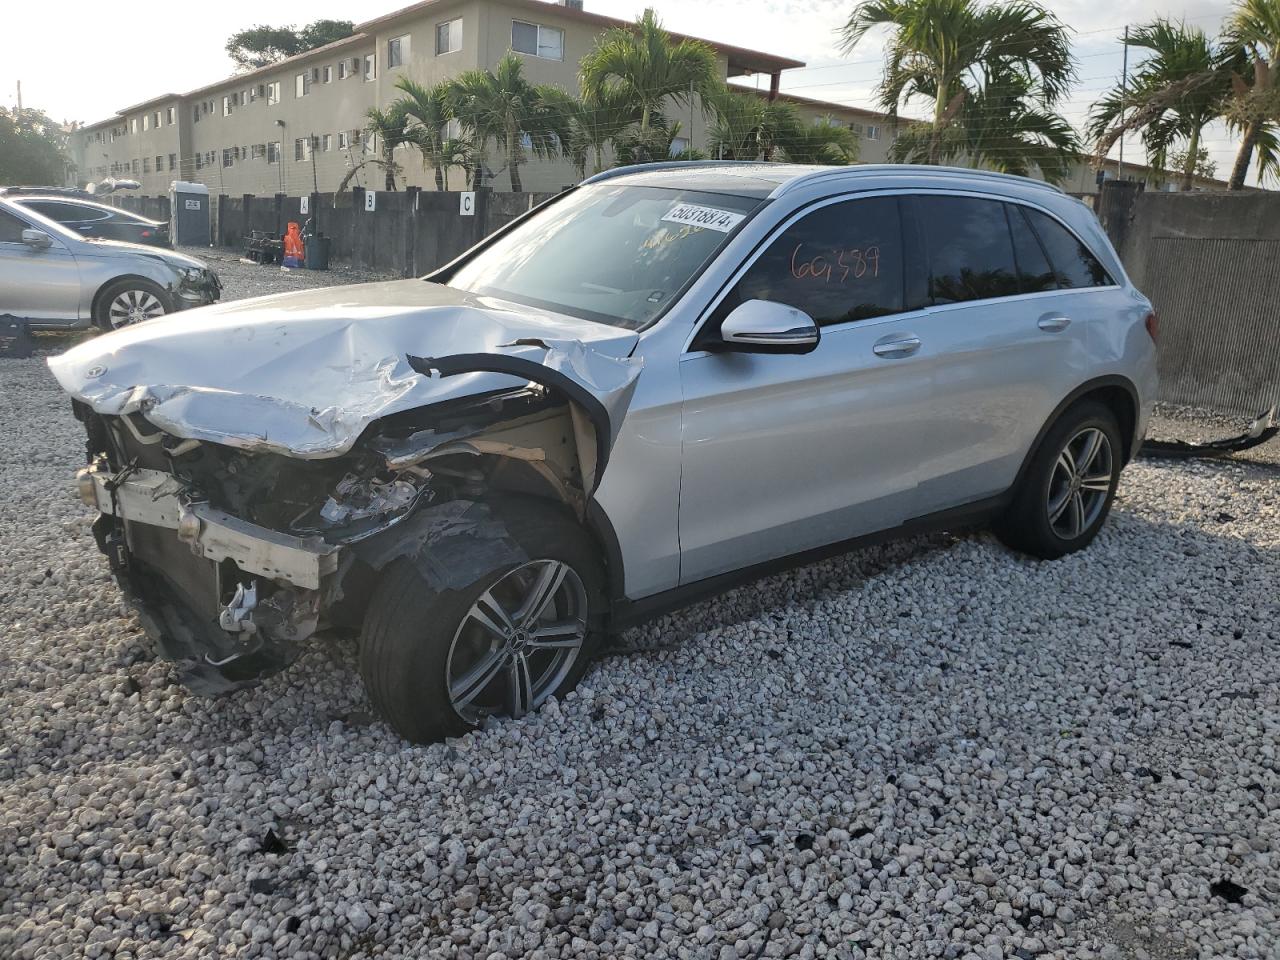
305 373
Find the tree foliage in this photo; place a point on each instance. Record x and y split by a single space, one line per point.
261 45
1178 89
993 75
1252 32
33 149
646 67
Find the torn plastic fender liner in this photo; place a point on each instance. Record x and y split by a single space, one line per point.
453 544
599 385
1262 428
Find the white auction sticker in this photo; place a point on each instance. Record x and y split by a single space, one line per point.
713 218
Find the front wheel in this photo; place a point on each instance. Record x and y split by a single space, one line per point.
1067 491
130 301
436 663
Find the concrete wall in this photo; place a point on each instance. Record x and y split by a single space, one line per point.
408 233
1210 262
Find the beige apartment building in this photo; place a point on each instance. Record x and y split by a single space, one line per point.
253 132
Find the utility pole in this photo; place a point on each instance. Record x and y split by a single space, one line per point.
19 98
1124 91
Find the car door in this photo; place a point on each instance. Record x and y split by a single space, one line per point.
1008 345
782 453
36 284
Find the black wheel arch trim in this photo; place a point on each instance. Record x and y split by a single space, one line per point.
538 373
1089 386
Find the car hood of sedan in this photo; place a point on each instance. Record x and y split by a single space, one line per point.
303 374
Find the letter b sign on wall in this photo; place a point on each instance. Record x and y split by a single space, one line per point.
370 201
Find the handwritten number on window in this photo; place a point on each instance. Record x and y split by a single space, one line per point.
838 265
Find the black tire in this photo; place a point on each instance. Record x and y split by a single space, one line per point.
410 626
144 292
1026 524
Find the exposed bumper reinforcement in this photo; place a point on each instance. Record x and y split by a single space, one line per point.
152 497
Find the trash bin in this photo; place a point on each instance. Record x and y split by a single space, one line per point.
317 251
189 214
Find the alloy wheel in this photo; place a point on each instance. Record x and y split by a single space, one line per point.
518 641
134 306
1080 483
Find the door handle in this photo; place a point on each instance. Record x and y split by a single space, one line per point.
896 346
1054 322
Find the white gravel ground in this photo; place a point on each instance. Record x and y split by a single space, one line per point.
934 749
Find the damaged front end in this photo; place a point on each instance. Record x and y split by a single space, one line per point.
235 557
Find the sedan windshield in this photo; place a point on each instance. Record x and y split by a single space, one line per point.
611 253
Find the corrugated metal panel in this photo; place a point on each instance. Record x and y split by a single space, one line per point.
1219 306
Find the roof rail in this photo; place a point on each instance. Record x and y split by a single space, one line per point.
670 165
903 169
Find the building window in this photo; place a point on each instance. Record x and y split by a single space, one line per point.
302 84
199 161
155 120
452 130
195 114
326 74
171 115
273 152
679 145
326 143
159 164
146 164
227 156
873 132
449 37
342 69
397 51
537 40
146 121
370 67
302 148
273 92
226 106
173 161
344 140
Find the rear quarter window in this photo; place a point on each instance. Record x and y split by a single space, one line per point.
1073 264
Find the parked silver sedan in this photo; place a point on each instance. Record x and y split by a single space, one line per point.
662 382
55 279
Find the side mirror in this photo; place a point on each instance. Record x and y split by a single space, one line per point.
765 326
37 239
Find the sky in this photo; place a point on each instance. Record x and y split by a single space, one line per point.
151 50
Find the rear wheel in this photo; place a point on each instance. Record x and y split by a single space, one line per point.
1067 491
130 301
436 663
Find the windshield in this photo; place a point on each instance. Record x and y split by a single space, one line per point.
611 253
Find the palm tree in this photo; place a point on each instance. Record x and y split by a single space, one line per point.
1253 31
820 142
949 51
644 67
1173 94
587 127
428 108
501 105
390 128
745 126
1006 129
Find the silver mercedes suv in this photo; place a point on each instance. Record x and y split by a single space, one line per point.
662 382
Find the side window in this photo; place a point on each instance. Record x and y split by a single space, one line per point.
65 212
970 250
842 262
10 228
1071 259
1034 273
